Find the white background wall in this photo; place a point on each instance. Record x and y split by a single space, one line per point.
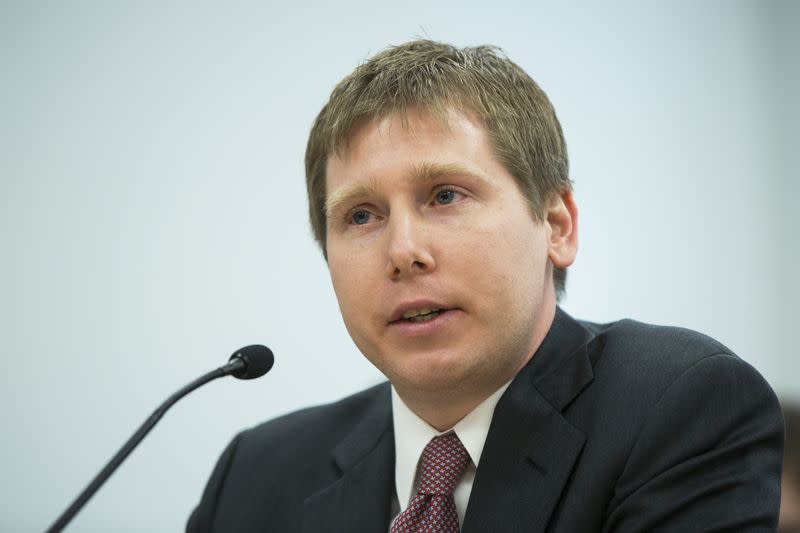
153 210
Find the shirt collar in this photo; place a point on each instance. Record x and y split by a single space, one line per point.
412 434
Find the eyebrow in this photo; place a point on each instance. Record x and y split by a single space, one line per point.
425 173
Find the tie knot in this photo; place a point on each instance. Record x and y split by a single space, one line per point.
443 461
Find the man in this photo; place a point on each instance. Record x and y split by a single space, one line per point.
439 192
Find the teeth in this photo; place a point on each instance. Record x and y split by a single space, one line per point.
424 318
420 315
416 312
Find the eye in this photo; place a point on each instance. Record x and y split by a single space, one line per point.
446 196
359 217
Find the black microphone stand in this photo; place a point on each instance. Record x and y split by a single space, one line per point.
236 364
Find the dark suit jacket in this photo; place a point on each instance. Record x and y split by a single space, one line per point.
617 427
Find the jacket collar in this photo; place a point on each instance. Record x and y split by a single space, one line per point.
360 500
531 449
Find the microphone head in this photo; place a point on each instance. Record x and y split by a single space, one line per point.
257 359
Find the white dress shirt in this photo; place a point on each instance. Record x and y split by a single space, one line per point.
412 434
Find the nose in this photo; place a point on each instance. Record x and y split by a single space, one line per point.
408 246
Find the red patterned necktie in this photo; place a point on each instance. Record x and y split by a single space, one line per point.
433 509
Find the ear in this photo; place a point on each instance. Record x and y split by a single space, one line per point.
562 220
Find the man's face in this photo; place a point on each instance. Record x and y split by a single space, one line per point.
441 272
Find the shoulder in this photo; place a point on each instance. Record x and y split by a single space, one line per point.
318 427
670 416
649 358
641 371
266 472
630 337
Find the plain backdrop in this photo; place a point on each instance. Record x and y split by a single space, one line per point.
153 215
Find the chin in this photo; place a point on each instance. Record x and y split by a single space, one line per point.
433 372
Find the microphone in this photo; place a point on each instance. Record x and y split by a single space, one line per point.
249 362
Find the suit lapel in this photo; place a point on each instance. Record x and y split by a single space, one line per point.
360 499
531 449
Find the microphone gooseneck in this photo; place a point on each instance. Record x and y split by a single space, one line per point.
246 363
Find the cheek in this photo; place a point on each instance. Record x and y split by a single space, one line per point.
509 246
504 265
351 284
339 267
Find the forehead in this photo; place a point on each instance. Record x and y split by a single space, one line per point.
411 147
411 139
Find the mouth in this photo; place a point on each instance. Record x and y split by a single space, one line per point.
421 315
418 312
422 319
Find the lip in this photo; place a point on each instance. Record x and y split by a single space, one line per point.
443 322
400 310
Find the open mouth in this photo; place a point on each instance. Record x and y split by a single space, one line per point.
421 315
